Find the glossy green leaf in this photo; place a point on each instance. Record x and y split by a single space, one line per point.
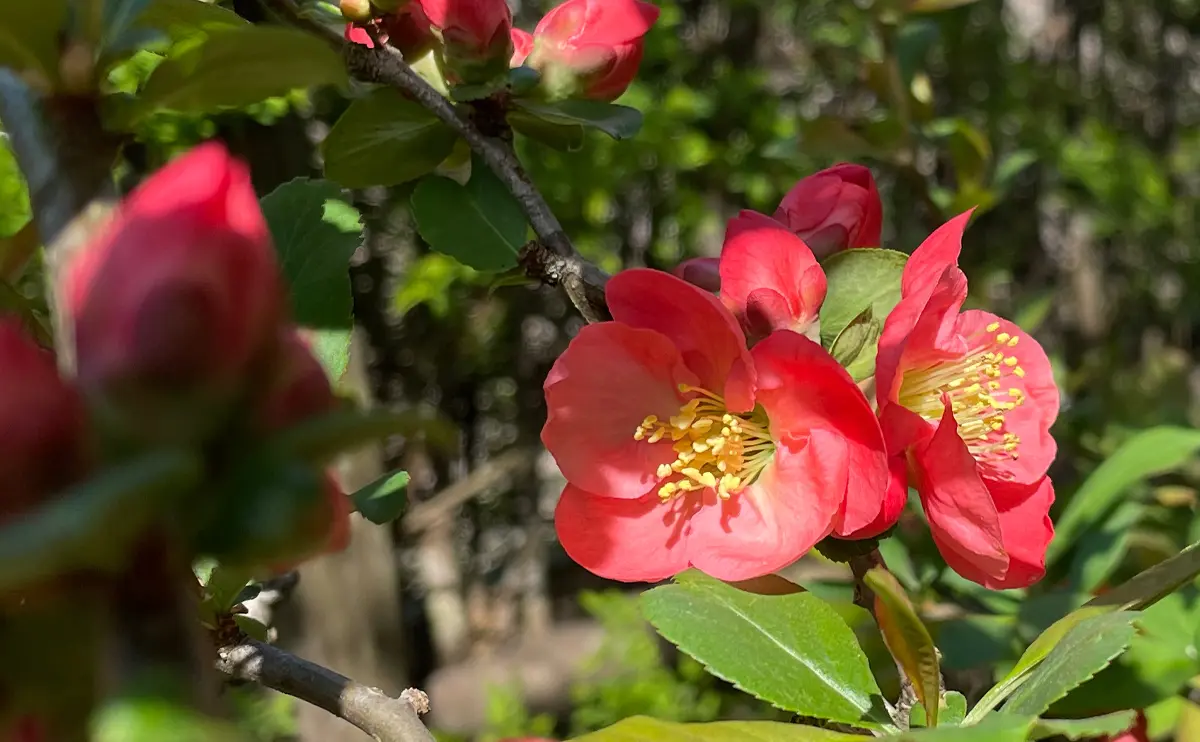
223 586
619 122
1085 650
907 639
383 500
29 37
238 66
953 708
1147 453
793 651
564 137
384 139
91 524
1074 729
857 279
1149 586
645 729
479 224
316 231
181 18
856 345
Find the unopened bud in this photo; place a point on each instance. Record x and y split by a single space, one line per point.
356 11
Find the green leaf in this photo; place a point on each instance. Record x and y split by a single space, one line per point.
1149 452
907 639
1101 551
936 6
793 651
119 18
478 224
1008 168
252 627
316 231
856 345
15 211
1032 657
181 18
953 709
224 585
645 729
619 122
992 729
563 137
384 139
238 66
1151 585
857 279
150 719
1109 725
1085 650
91 524
29 38
970 150
383 500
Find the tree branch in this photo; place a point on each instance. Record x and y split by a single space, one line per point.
385 718
552 259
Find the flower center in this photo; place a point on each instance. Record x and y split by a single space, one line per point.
979 394
714 448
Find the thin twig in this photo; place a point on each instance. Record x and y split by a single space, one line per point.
443 504
552 258
385 718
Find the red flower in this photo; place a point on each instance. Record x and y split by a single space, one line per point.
522 44
475 35
834 209
592 47
408 30
45 437
969 398
769 277
359 35
182 288
702 272
680 447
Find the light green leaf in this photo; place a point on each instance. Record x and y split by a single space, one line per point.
645 729
29 38
907 639
1084 651
384 139
316 231
793 651
479 225
91 524
619 122
1151 585
996 728
383 500
181 18
1149 452
148 719
857 279
856 345
953 709
224 585
1109 725
15 211
238 66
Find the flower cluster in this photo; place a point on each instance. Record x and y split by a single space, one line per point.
582 48
179 320
715 431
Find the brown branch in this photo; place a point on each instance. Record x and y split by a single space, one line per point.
552 258
385 718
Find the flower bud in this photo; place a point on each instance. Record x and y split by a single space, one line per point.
592 48
359 11
702 272
475 35
409 31
522 42
45 444
176 299
834 210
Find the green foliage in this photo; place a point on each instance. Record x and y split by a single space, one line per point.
858 280
1108 725
29 38
791 650
14 194
645 729
619 122
151 720
383 500
508 718
384 139
908 640
480 224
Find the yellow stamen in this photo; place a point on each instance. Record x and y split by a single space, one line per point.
714 448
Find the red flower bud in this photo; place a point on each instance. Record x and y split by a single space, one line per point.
297 388
592 48
45 441
702 272
475 35
834 209
522 42
409 31
181 290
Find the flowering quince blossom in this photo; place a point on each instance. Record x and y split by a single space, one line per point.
182 288
522 42
833 210
593 47
682 448
475 34
968 399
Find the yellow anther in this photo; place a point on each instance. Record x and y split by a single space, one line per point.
993 327
1003 337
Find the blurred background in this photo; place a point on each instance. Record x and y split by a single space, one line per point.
1071 124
